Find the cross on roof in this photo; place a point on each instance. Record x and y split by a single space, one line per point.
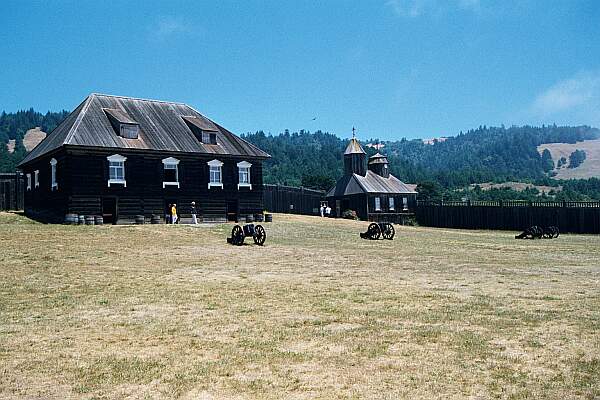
353 135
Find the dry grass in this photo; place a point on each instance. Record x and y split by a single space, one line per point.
590 167
518 186
174 312
32 138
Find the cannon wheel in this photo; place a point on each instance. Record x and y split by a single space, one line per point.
237 235
536 232
374 231
548 232
556 232
259 235
388 231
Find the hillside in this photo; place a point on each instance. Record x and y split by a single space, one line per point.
589 168
32 138
314 160
486 154
21 131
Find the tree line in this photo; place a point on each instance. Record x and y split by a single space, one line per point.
13 126
448 167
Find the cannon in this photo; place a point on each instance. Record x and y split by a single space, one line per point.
551 232
238 234
536 232
383 230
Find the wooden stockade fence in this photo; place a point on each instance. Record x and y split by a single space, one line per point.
292 200
569 216
12 189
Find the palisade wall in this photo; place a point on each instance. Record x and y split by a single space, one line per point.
292 200
569 216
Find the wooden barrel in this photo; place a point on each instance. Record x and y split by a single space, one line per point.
89 220
139 220
99 220
155 219
71 219
268 217
81 220
259 217
249 218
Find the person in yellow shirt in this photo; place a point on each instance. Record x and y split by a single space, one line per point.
174 213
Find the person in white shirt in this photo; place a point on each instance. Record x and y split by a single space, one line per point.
193 212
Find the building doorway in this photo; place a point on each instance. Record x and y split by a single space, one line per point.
232 211
110 211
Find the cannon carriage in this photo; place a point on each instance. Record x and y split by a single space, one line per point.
536 232
239 234
377 230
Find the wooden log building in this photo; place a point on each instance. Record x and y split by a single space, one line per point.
120 157
370 190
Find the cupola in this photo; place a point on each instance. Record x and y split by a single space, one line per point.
378 164
354 157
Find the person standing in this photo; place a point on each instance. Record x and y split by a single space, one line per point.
322 210
174 213
193 212
328 211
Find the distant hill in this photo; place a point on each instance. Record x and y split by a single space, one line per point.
32 138
589 168
485 154
21 131
517 186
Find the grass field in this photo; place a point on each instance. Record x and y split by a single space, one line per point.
163 312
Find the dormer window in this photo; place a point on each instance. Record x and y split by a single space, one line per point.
129 131
209 137
116 170
171 172
122 123
215 174
53 183
244 174
204 130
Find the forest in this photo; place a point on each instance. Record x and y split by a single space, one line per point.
485 154
443 169
13 126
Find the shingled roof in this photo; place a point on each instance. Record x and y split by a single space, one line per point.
378 158
370 183
354 147
163 126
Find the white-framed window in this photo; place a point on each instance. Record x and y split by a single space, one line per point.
36 178
171 172
377 204
116 170
244 174
391 201
405 203
53 183
215 174
28 181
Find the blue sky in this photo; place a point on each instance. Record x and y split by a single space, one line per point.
392 68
